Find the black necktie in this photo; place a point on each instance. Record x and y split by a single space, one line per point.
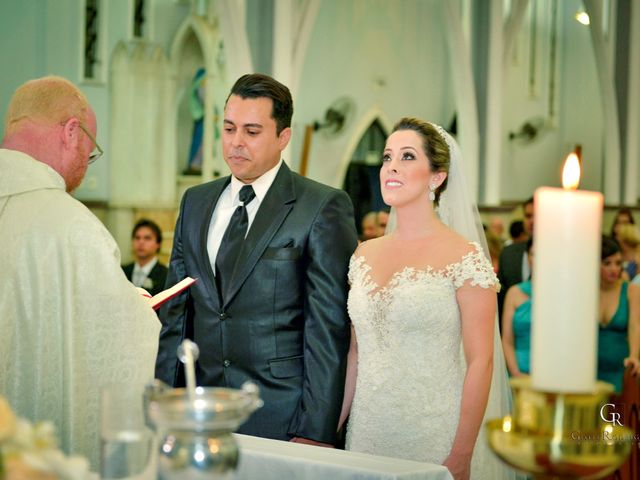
232 241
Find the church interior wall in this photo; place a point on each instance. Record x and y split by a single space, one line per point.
164 17
396 63
575 116
582 117
386 57
26 23
527 72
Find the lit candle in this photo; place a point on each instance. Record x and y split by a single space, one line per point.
566 265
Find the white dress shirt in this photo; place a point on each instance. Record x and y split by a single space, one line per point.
227 203
140 274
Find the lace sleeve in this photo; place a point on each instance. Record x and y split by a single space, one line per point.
355 267
476 268
351 273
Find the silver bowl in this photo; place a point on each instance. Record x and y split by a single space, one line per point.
195 434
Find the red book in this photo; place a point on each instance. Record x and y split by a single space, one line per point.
157 300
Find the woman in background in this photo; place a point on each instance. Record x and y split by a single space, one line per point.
627 238
516 323
623 217
495 244
618 317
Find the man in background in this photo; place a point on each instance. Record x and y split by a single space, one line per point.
383 219
514 261
496 228
369 226
374 224
516 233
70 321
146 271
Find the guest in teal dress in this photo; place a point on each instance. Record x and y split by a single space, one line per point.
516 323
619 319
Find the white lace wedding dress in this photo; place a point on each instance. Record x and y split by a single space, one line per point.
410 366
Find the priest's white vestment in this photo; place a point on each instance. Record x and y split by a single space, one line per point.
70 321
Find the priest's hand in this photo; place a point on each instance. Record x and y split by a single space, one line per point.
143 292
308 441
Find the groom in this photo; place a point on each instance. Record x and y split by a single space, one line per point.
271 250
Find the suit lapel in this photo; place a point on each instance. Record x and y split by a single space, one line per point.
156 274
128 271
209 203
153 274
273 210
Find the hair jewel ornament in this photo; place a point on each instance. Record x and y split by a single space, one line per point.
445 136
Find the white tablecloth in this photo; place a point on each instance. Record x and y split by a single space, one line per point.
265 459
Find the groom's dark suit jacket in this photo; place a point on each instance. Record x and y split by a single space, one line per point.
284 322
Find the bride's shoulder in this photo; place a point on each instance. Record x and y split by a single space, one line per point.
371 248
368 253
458 246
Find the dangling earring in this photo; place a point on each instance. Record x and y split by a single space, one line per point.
432 192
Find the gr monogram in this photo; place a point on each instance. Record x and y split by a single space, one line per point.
614 417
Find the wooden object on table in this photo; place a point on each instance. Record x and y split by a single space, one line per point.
306 147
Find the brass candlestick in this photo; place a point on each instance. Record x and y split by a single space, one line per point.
560 435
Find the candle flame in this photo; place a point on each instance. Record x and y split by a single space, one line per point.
571 172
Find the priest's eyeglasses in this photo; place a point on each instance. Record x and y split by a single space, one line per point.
97 151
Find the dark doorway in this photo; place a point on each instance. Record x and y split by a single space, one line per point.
362 180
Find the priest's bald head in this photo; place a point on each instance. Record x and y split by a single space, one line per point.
51 120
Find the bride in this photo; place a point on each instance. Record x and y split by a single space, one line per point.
423 309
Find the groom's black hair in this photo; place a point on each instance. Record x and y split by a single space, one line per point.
257 85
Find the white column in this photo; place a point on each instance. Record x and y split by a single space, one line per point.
611 149
282 63
633 112
495 80
283 23
119 221
512 27
236 43
306 19
465 95
208 137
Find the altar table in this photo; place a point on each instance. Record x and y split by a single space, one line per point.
265 459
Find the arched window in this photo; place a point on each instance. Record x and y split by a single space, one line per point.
139 18
91 39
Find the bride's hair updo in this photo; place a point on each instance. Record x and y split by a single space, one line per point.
434 146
